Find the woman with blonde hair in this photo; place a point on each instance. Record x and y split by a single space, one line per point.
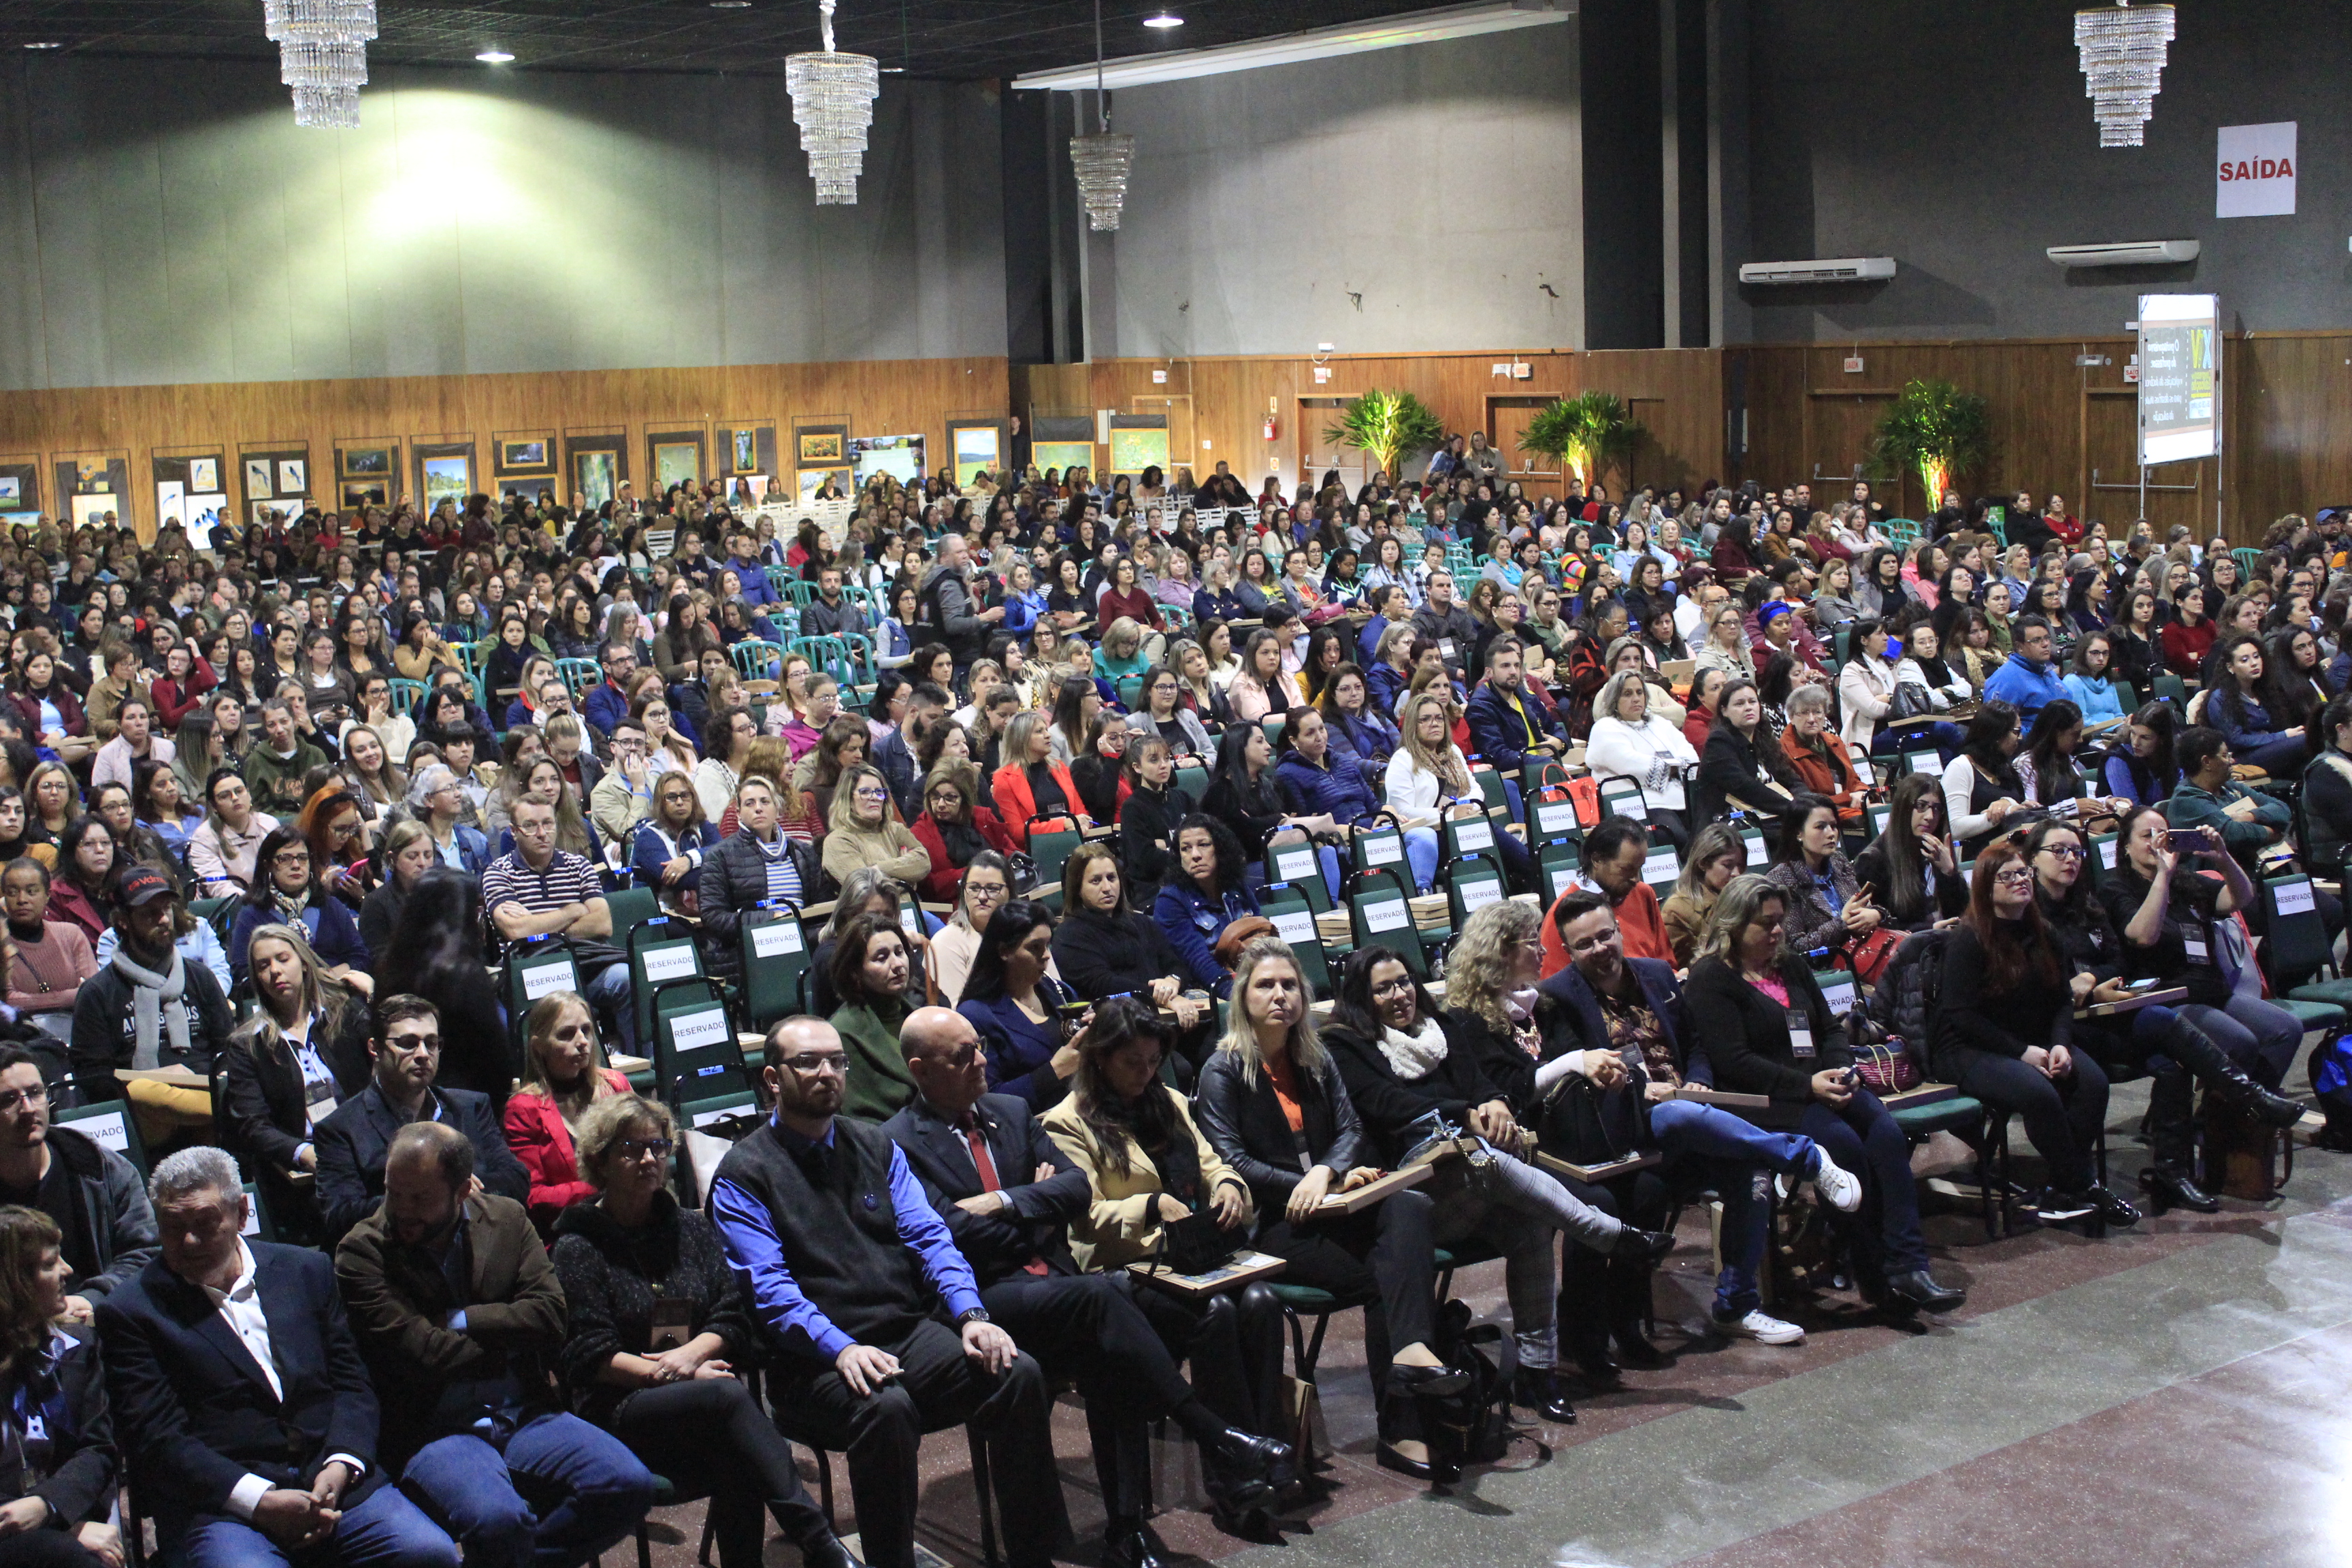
863 830
304 1052
560 1079
1717 855
1274 1108
64 1485
1124 650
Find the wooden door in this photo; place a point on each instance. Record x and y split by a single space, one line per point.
1318 455
1838 428
2178 493
1506 420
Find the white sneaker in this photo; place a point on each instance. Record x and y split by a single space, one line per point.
1761 1326
1839 1187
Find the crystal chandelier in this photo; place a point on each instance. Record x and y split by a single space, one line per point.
832 103
2123 53
1101 161
323 56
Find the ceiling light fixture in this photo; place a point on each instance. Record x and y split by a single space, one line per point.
1322 43
323 56
832 103
1163 20
730 5
494 57
1101 161
50 44
2123 55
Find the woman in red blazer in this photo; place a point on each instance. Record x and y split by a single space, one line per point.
954 827
1017 789
67 731
185 680
560 1080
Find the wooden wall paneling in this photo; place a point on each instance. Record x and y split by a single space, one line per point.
2289 432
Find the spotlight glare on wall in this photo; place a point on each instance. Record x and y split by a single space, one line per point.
494 57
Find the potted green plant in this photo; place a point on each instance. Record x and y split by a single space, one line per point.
1386 426
1582 433
1935 430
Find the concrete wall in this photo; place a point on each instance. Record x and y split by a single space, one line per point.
167 221
1399 200
1955 136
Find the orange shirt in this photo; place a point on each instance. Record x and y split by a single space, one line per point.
1285 1078
1638 920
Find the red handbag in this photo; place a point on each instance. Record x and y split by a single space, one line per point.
1869 957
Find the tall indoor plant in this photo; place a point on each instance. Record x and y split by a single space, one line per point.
1582 433
1385 426
1935 430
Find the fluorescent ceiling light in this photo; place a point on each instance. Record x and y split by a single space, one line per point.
1322 43
1163 20
494 57
50 45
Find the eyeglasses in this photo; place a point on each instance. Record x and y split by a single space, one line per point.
2063 851
868 793
811 1066
37 1094
291 860
2014 877
637 1148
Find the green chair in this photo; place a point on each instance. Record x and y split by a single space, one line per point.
1193 780
1380 914
1373 846
1050 848
1558 864
1294 921
775 962
662 952
2170 688
109 1124
580 676
758 660
782 578
258 1223
1551 816
405 696
2248 558
2298 942
1621 796
537 967
1130 691
1472 882
1984 1129
696 1058
632 906
1461 835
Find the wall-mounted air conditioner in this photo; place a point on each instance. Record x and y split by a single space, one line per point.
2125 253
1848 269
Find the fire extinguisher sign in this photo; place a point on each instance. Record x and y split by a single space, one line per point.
2253 173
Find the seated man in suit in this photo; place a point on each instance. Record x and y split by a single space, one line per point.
1007 1192
352 1142
240 1399
846 1265
459 1316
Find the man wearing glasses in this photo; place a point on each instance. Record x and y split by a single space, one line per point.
541 890
608 704
847 1265
106 1225
355 1143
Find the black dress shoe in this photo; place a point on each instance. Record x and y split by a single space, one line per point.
824 1550
2171 1189
1648 1245
1917 1291
1250 1460
1388 1459
1427 1382
1635 1349
2113 1208
1132 1545
1537 1389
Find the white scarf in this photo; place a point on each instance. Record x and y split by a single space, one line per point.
148 995
1414 1055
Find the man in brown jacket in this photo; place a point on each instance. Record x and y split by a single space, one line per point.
460 1317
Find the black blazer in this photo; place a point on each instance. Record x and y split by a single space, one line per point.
197 1412
266 1118
1747 1036
1243 1122
1102 955
996 1246
352 1142
68 1386
1729 769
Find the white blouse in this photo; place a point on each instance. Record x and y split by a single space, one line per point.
1652 754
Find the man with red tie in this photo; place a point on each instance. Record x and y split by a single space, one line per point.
1007 1192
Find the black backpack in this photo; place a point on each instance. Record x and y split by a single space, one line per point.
1474 1427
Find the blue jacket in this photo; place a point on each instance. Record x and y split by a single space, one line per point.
1367 641
1224 607
1021 611
757 589
1193 924
2243 721
1367 744
1496 735
2025 686
2095 697
605 707
1336 788
649 852
334 931
897 764
1386 685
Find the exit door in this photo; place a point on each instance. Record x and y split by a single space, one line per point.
1506 420
1318 455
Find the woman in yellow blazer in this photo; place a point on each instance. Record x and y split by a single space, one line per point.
1163 1196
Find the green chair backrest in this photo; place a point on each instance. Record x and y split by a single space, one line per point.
775 961
741 1109
1751 838
1051 849
1621 796
1661 867
1273 725
780 578
405 696
580 676
1490 789
1558 864
108 1123
632 906
660 950
258 1223
2170 688
695 1057
2125 698
1293 863
1380 916
1552 816
758 660
1472 882
1130 691
2297 938
1874 818
1294 921
532 972
1461 835
1193 780
1377 847
800 591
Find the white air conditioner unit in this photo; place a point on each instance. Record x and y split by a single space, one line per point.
1846 269
2125 253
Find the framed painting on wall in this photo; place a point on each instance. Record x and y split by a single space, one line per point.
368 460
822 446
748 447
596 476
279 473
443 472
1062 455
260 479
293 477
1137 447
974 446
674 458
24 476
203 476
814 480
358 493
93 509
516 453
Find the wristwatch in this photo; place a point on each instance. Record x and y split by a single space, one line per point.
976 1315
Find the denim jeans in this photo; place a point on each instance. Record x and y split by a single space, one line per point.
1420 852
563 1492
1736 1157
2260 1036
384 1532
